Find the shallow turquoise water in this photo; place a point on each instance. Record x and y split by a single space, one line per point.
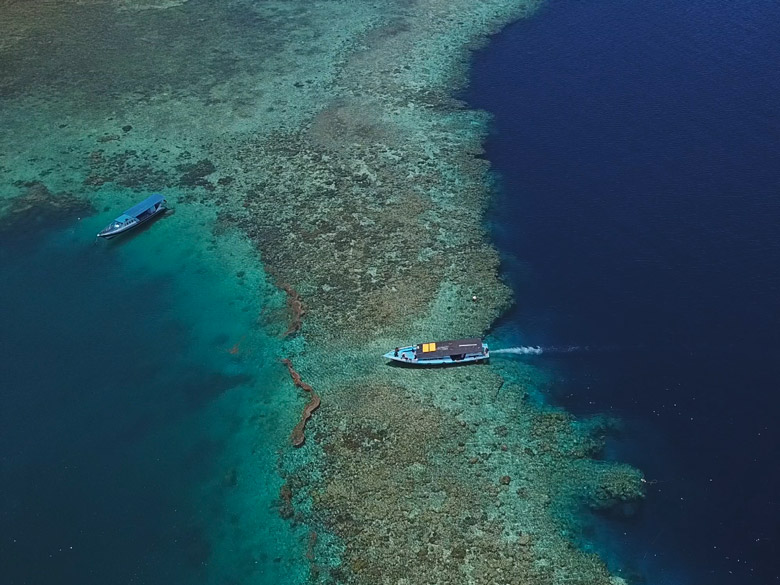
141 411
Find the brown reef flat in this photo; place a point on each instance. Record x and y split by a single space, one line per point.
373 210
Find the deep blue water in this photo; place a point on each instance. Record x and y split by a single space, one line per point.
76 399
638 148
100 463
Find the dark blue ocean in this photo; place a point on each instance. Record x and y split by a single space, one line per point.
137 443
87 493
637 146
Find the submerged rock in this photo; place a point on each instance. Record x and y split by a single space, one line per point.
37 207
194 174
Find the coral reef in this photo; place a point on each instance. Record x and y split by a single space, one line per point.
334 143
286 509
295 306
37 205
194 174
385 239
298 437
406 484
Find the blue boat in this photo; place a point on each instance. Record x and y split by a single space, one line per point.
441 353
135 216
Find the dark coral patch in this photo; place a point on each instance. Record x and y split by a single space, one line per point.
194 174
39 208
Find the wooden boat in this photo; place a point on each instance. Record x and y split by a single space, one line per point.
440 353
134 216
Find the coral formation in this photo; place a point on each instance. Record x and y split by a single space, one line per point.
334 143
38 205
388 493
194 174
385 239
286 509
295 306
298 437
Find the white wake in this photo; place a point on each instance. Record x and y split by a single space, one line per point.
537 350
522 350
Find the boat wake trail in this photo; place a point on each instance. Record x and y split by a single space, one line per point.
523 350
537 350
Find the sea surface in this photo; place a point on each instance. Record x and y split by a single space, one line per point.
637 148
139 412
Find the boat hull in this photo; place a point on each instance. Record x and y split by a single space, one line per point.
406 356
107 234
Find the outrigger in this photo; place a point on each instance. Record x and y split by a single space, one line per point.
439 353
134 216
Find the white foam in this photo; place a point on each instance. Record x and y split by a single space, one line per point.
522 350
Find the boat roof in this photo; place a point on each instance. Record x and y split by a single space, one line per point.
139 208
437 349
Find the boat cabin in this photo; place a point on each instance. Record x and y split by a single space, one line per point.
457 349
441 352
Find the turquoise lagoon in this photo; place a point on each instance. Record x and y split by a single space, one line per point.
142 407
